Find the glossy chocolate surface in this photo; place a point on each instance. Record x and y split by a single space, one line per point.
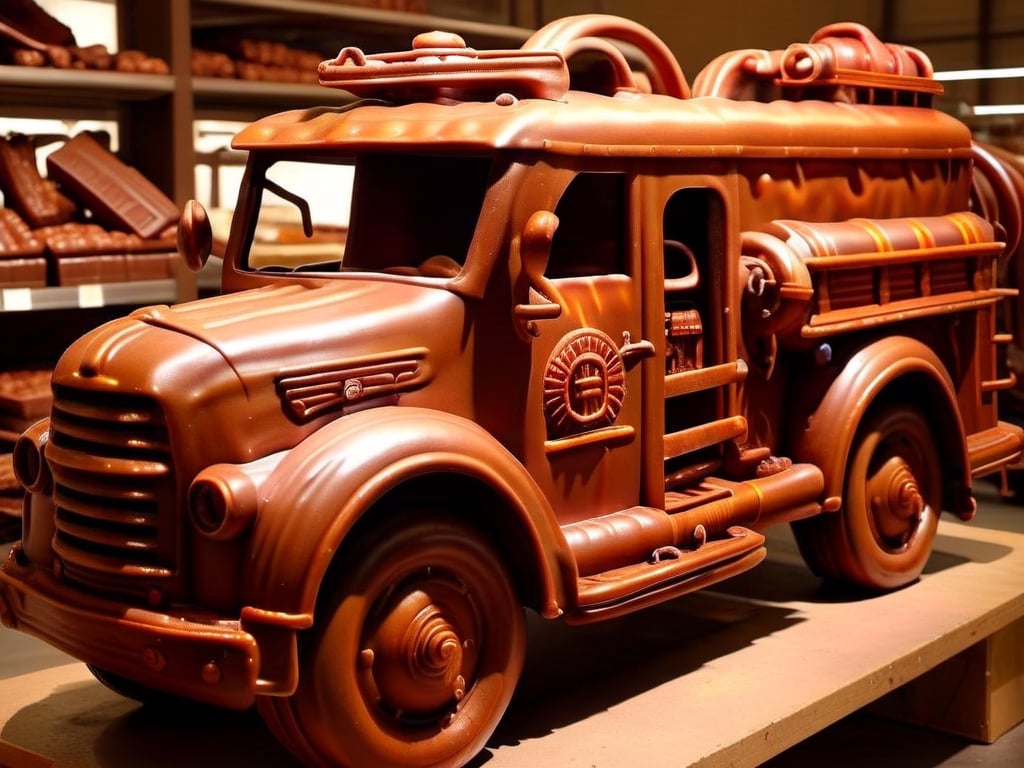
581 335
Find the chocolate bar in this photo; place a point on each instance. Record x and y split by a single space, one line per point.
8 482
212 64
11 495
30 19
16 239
151 266
89 270
23 273
85 253
275 54
255 59
117 194
139 61
113 268
83 239
77 239
36 199
25 393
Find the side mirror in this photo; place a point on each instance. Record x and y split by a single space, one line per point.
534 251
195 235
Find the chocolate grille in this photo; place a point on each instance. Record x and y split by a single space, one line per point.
113 490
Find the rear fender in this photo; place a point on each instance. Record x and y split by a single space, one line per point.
323 486
824 434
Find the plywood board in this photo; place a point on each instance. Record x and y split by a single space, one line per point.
724 678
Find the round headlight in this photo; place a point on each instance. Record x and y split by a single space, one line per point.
222 502
207 506
28 459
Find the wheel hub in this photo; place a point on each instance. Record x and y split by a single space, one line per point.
416 657
896 499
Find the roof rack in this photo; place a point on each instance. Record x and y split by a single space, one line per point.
441 67
842 62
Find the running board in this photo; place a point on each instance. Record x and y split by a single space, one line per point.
993 448
671 573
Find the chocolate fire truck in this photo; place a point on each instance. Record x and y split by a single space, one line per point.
589 332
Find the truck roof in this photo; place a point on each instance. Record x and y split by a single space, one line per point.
627 124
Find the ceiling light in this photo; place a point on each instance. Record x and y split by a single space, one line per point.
997 73
998 109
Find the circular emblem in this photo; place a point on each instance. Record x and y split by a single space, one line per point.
584 384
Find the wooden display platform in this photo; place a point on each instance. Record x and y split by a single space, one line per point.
724 678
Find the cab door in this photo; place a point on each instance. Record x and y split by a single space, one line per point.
585 400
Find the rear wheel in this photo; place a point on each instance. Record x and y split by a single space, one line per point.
882 538
415 654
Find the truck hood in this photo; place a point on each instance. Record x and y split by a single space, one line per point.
307 323
254 372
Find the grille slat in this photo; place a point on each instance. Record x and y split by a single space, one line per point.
117 438
131 409
133 510
111 538
89 461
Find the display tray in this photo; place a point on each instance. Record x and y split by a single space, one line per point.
728 677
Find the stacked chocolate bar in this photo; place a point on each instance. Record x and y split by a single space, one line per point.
24 399
22 259
248 58
93 219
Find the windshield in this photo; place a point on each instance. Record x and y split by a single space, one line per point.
397 214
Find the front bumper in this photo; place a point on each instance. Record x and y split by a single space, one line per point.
193 655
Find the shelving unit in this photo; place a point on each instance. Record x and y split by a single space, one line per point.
156 114
87 296
78 90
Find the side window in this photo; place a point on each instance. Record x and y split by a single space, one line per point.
693 228
590 239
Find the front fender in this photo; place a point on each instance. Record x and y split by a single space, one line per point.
824 434
324 485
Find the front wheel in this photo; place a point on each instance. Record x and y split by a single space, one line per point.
415 655
130 689
882 537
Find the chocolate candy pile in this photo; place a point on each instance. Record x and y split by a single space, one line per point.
92 220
